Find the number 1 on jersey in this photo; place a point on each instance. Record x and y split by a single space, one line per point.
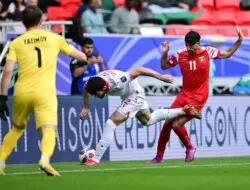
192 65
39 56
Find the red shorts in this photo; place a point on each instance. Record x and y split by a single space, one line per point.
182 100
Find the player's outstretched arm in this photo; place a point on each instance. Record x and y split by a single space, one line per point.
164 56
80 56
236 45
85 110
141 71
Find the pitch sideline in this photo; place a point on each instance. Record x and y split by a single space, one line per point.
159 166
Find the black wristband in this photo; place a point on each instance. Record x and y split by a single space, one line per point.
3 98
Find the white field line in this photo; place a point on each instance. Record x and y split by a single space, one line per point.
159 166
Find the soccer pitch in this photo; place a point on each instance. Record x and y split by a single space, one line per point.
210 174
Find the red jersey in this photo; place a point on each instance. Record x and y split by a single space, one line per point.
195 70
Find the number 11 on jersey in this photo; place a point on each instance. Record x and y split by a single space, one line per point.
192 65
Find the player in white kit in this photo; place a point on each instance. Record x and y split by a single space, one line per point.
133 103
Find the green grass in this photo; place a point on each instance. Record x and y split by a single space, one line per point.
202 174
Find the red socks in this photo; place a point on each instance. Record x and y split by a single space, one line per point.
163 139
165 136
183 135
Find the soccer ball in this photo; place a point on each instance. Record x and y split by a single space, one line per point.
90 153
85 154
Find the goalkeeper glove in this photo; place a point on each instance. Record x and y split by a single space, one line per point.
4 110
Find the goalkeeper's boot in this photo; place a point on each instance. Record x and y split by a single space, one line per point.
48 169
191 111
2 171
91 162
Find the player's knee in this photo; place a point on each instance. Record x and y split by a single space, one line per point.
116 121
19 129
176 124
144 119
146 122
117 118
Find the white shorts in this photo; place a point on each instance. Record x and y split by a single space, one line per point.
133 105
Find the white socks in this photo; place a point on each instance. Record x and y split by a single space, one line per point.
106 140
164 114
2 164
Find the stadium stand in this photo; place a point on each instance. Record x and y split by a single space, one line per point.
228 5
207 5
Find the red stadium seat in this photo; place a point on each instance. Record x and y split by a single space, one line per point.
57 13
223 18
177 29
119 3
66 2
227 32
206 31
71 10
204 19
229 5
243 18
232 32
208 5
246 32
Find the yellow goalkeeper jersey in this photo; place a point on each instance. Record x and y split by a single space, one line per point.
36 53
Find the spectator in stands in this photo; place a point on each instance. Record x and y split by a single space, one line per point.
186 4
163 6
32 2
80 73
44 4
91 20
15 10
107 7
35 2
3 11
123 19
82 8
145 13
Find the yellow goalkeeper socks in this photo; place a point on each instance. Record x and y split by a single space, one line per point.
48 143
9 142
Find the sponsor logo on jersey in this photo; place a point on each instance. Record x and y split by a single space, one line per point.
123 79
201 58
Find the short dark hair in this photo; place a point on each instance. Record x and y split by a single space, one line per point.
94 84
86 41
31 16
192 37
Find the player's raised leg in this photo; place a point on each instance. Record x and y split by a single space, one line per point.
149 119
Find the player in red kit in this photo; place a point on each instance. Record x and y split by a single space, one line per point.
194 62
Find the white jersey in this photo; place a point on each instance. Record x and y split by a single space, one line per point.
121 84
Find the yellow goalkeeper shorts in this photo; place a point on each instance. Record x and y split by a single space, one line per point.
44 107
